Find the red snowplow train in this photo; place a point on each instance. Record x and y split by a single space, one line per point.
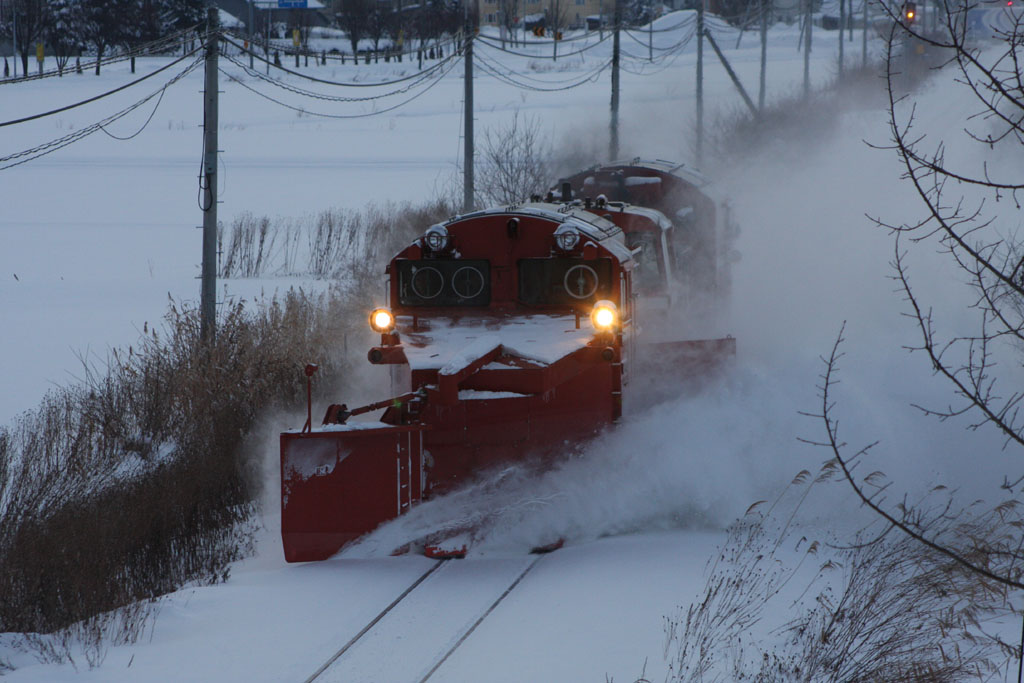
511 333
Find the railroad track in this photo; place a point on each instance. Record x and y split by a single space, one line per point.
427 633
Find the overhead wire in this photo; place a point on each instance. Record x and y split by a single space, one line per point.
289 48
656 48
151 115
339 83
647 67
491 43
658 59
510 75
644 66
665 52
530 79
692 19
108 93
586 35
146 49
38 151
510 79
434 75
437 79
254 73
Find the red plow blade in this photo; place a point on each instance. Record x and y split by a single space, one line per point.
341 483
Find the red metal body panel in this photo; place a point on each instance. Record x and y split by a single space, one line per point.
625 183
335 490
341 481
674 191
482 393
490 235
574 403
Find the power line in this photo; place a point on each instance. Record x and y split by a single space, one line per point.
491 43
548 43
302 110
688 21
137 51
136 133
100 96
320 96
660 63
340 83
655 48
27 155
509 78
497 65
289 48
642 66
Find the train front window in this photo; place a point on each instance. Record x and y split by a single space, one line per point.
648 275
459 282
564 281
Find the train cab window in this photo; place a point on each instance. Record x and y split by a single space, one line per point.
650 271
457 282
564 281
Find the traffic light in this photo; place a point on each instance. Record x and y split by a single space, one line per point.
538 31
909 12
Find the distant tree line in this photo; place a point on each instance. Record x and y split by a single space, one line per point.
71 27
425 22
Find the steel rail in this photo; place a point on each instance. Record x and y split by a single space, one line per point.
383 613
394 603
483 616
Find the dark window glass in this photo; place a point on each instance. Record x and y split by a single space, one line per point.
444 283
648 274
564 281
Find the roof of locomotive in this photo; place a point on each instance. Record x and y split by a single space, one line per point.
653 215
600 230
681 171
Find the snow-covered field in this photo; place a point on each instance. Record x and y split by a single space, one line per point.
101 231
96 236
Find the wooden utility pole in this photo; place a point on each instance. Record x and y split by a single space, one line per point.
765 5
650 33
208 180
864 40
468 202
732 74
700 82
807 47
252 34
613 144
842 27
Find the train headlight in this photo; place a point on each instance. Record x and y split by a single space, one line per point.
436 238
605 316
566 237
381 320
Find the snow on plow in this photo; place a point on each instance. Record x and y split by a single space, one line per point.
513 333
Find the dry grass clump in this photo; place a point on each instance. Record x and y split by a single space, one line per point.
884 608
142 477
326 245
136 481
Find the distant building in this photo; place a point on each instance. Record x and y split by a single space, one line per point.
574 13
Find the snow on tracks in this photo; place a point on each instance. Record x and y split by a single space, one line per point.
424 624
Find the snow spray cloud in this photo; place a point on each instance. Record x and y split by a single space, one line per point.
685 463
811 259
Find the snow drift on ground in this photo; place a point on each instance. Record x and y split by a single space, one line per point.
100 233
